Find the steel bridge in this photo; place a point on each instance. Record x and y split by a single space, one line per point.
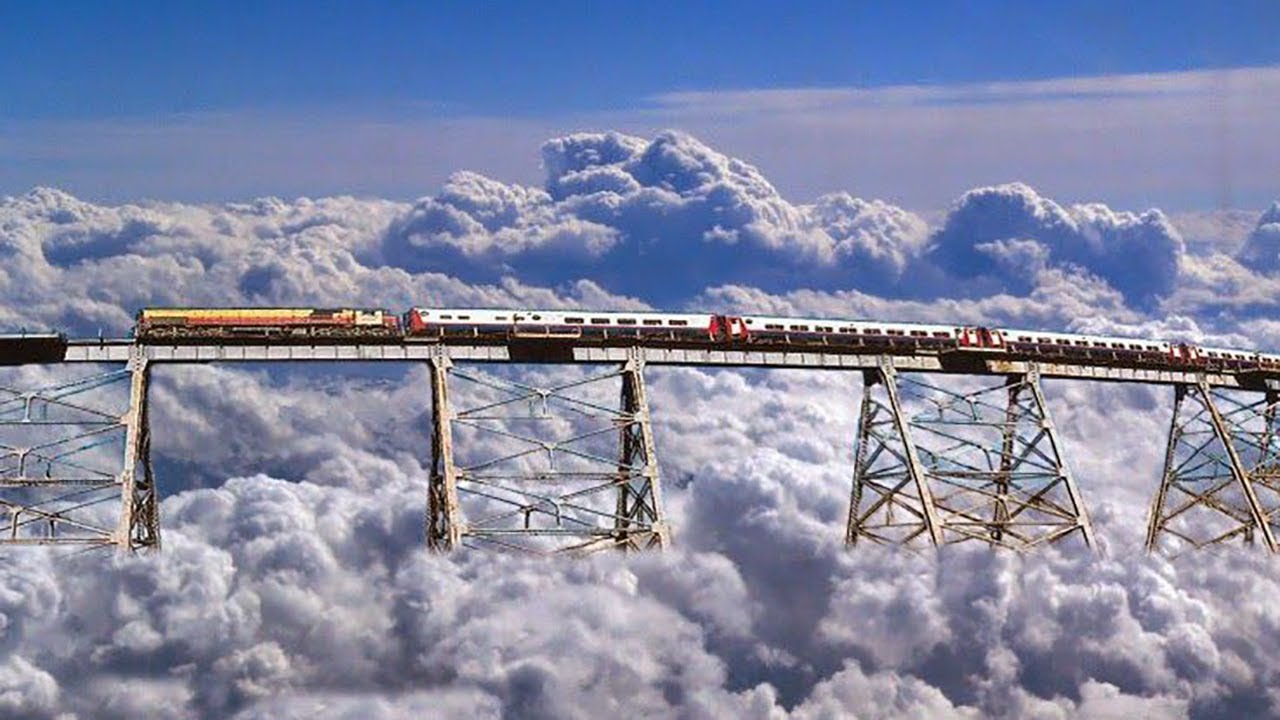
950 447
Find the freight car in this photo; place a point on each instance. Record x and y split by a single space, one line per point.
303 325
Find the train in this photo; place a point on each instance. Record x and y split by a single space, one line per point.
273 324
712 330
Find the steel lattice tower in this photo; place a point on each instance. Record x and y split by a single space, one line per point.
1221 479
558 488
982 466
76 470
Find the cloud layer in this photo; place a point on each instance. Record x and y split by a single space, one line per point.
294 581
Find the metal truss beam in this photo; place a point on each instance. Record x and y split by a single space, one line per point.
73 473
539 475
1221 479
983 466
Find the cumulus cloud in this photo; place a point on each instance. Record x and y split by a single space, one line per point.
988 231
623 210
294 582
1261 250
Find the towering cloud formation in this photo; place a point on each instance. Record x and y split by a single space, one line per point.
294 582
1261 249
997 234
622 211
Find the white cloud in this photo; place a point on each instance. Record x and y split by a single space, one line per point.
1137 254
1261 250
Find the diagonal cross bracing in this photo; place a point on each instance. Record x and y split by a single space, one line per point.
562 467
1221 478
942 466
75 467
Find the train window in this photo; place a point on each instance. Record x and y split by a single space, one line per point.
446 317
626 321
1100 344
750 321
799 327
599 321
1118 345
894 332
537 317
652 322
1135 347
848 330
1045 340
919 333
573 320
468 317
501 317
941 334
1021 338
680 323
1082 343
1063 342
871 331
773 327
825 329
1213 354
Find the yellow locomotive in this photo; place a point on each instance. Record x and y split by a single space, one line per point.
241 324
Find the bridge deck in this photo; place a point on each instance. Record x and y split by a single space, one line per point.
118 351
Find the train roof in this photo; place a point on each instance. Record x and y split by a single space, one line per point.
1109 339
1229 351
487 313
783 320
580 311
174 308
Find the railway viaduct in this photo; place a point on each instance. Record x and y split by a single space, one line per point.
951 447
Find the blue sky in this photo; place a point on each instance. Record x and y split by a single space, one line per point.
545 68
89 59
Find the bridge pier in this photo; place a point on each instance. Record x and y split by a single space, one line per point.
580 474
941 467
1221 478
139 526
69 458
